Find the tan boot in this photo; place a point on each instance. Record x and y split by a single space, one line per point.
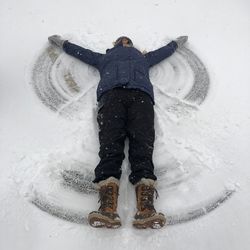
106 216
146 215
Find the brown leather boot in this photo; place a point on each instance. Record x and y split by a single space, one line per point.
106 216
146 215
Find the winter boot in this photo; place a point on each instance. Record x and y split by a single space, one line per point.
106 216
146 215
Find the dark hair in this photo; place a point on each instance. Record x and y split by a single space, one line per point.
119 40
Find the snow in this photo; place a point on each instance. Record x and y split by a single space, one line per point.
48 132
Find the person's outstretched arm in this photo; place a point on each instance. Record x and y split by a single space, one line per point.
85 55
156 56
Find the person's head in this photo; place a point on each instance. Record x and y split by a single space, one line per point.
124 41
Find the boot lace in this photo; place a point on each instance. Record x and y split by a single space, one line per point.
106 197
147 197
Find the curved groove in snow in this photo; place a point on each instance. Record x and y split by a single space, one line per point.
199 211
199 90
58 211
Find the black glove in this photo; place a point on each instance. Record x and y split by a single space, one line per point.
181 40
56 40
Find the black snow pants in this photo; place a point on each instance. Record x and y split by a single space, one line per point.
125 113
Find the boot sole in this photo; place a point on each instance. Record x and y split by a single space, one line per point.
154 222
98 220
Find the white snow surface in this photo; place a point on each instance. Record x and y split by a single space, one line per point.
201 148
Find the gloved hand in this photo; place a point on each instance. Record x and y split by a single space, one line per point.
56 40
181 40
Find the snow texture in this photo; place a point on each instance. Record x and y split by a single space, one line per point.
49 135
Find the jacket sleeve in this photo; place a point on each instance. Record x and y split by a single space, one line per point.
85 55
156 56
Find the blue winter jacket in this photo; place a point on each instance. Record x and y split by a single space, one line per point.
122 66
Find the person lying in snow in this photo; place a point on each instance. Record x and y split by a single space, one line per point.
125 109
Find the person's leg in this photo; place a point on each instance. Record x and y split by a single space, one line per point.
141 144
112 133
141 135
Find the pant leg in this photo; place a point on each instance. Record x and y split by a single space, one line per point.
111 119
141 135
